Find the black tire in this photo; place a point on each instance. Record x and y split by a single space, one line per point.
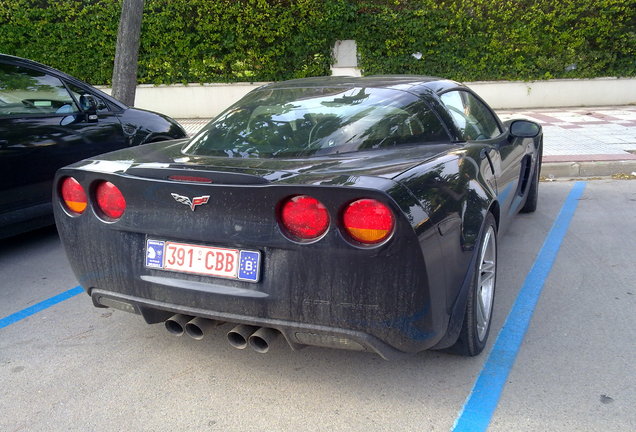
533 190
474 333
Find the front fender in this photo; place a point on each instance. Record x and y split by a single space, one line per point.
142 127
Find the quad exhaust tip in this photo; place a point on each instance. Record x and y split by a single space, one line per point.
261 339
176 324
240 337
198 327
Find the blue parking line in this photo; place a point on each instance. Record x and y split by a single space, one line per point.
24 313
483 399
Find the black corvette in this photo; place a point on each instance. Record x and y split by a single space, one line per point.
356 213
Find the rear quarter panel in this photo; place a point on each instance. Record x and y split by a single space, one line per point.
456 192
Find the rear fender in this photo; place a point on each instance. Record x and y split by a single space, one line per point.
456 191
458 308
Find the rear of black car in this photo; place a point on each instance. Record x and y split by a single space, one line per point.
281 214
332 290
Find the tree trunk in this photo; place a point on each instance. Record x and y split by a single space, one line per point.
127 51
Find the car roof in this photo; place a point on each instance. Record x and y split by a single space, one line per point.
417 84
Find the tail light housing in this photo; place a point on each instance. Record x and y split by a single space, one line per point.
304 217
73 195
109 199
368 221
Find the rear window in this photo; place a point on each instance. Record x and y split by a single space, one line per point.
287 123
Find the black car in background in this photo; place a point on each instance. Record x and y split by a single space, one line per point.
49 119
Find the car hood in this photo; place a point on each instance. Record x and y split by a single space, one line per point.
151 160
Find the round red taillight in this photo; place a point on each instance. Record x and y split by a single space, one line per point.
73 195
368 221
304 217
110 200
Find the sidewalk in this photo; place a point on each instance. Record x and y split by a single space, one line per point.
585 142
578 142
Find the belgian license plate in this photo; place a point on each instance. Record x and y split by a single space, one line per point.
203 260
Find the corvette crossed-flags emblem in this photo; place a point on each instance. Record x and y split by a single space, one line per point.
191 203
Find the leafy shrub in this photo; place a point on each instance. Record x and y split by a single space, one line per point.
263 40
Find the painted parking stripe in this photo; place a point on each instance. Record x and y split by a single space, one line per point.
31 310
483 399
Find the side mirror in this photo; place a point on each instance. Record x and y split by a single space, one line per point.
88 104
524 129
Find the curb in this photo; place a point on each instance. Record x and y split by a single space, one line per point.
587 169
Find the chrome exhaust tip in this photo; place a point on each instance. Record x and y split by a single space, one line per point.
238 336
261 339
198 327
176 324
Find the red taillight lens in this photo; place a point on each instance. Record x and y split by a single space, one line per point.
73 195
110 200
368 221
304 217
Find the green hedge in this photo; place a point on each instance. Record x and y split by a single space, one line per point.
264 40
500 39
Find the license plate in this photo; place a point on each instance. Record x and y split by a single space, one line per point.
203 260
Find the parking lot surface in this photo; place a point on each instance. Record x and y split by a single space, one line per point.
73 367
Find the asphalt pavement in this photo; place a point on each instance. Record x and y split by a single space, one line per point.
578 142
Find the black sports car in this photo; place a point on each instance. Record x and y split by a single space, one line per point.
49 119
356 213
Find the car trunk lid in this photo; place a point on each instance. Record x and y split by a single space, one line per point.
165 161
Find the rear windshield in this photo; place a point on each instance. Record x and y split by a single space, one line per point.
288 123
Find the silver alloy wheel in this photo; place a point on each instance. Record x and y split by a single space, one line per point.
486 282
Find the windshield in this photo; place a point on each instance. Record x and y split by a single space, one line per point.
302 122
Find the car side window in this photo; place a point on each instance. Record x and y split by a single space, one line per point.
28 91
102 107
473 119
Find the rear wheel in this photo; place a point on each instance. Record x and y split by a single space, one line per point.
478 316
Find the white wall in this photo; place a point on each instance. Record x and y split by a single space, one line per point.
208 100
557 93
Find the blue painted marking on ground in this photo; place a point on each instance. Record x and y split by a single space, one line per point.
24 313
484 397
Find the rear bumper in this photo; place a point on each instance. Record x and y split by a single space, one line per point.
385 306
384 303
296 334
372 313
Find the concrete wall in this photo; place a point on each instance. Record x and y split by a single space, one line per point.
190 101
557 93
208 100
